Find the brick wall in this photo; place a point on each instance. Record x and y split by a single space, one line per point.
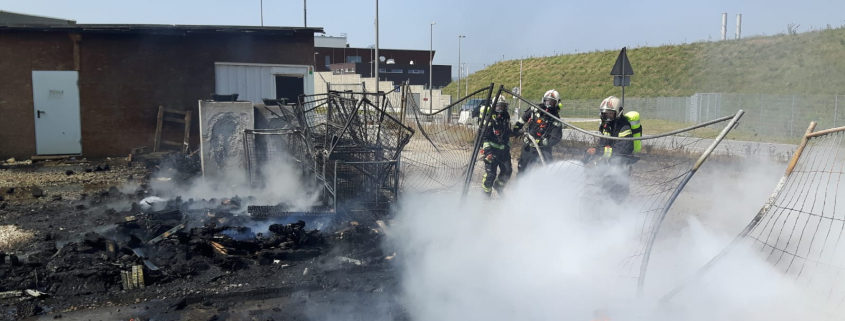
123 78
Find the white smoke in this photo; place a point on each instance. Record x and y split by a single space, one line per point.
552 249
282 181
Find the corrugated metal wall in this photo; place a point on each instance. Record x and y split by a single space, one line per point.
254 81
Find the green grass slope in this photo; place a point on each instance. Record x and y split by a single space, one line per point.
805 63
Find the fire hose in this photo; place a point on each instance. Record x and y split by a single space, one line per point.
536 147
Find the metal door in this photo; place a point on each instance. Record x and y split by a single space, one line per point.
56 100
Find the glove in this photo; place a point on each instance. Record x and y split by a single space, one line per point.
481 151
591 151
489 158
606 154
544 142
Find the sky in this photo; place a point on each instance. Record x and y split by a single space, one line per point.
494 30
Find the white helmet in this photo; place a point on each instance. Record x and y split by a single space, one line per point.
551 94
501 104
611 104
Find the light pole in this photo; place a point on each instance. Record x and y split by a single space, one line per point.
431 68
376 56
459 66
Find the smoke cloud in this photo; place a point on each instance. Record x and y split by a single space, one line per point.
279 180
550 250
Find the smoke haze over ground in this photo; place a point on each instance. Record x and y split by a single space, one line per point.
537 254
283 182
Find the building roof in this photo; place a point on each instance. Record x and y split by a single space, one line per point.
158 29
380 48
9 17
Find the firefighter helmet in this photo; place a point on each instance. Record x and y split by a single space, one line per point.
501 104
551 98
610 104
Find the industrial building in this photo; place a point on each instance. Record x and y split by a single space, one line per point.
334 54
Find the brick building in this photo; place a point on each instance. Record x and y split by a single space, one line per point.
94 90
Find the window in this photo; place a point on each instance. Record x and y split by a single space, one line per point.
353 59
353 69
328 61
393 71
382 70
416 71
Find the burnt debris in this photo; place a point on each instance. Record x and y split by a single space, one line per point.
143 249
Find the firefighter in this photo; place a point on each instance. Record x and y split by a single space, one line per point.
496 147
543 129
617 154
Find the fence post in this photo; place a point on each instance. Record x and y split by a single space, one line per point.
835 108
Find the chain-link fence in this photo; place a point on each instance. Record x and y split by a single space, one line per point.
768 117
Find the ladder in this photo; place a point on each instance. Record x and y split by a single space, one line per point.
167 115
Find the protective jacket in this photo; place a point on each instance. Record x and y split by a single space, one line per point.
497 153
498 133
545 130
616 128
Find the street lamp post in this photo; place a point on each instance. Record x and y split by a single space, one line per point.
431 68
376 56
459 66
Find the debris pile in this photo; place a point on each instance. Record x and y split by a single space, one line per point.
193 239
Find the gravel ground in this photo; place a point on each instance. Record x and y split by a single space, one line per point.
60 180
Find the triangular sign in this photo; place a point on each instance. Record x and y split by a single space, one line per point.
622 66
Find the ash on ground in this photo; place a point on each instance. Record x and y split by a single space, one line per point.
101 245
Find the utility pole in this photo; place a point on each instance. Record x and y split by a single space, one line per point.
305 13
376 57
459 66
519 101
724 26
431 68
262 13
738 25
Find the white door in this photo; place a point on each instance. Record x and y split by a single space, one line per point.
56 100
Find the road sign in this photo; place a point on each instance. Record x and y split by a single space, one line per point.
622 66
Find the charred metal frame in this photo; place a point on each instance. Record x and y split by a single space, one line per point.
339 129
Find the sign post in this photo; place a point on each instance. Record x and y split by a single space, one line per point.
622 72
